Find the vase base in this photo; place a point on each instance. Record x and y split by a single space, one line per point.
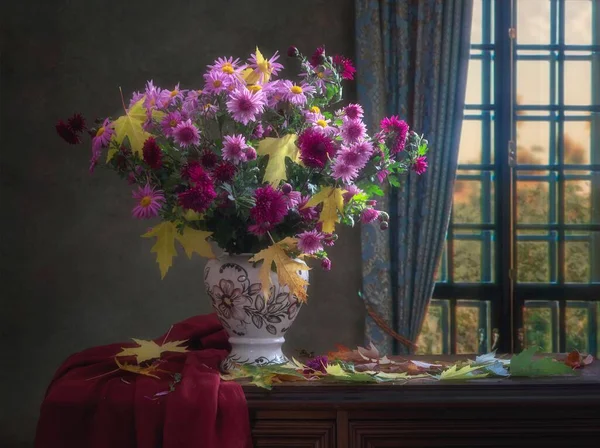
255 352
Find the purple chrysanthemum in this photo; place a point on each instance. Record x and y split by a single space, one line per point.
307 213
316 148
351 191
265 68
216 82
352 131
186 134
420 165
318 363
170 122
310 242
326 264
234 148
101 140
149 202
269 210
297 94
244 105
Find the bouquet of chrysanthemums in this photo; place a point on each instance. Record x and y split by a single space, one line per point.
253 162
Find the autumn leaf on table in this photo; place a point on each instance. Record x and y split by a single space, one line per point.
464 373
130 126
287 268
148 350
278 149
165 233
524 364
333 201
146 371
576 360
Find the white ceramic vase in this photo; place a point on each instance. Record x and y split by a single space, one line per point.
256 326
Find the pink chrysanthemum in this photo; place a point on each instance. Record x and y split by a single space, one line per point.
357 155
191 102
216 82
420 165
369 215
152 96
326 264
343 171
319 122
226 65
149 202
382 175
292 198
101 140
316 148
269 210
346 67
170 122
265 68
310 242
234 148
352 131
351 191
319 76
168 97
318 57
244 105
353 111
186 134
393 125
297 94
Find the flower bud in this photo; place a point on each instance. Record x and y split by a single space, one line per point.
286 188
293 52
326 264
383 217
371 202
250 153
384 225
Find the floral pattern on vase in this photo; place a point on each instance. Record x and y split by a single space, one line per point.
256 326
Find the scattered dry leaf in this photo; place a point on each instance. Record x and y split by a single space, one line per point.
148 350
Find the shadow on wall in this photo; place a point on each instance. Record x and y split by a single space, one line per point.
75 272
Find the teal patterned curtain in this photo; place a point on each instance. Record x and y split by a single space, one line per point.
412 58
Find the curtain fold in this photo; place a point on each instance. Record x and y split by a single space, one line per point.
412 58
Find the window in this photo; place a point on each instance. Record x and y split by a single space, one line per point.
533 214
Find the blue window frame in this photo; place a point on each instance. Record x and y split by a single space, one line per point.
522 259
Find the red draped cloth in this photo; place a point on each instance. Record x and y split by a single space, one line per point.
89 404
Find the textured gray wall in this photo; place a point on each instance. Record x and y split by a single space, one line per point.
74 271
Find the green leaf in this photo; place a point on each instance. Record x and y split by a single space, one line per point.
422 149
523 364
464 373
497 369
394 182
373 190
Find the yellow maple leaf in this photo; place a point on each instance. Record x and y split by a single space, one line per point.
286 267
192 241
336 370
333 200
146 371
164 248
278 149
262 73
130 125
148 350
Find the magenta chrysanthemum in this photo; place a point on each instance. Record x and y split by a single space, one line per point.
292 199
209 159
307 213
186 134
310 242
420 165
197 198
343 171
345 65
369 215
76 123
152 153
244 105
269 210
351 191
318 57
352 131
224 172
399 129
66 133
170 122
149 202
234 148
326 264
316 148
198 177
353 111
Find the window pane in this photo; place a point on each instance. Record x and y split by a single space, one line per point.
435 329
578 82
473 92
472 326
467 258
474 199
579 208
476 23
577 326
582 257
441 273
533 82
470 142
533 22
540 325
533 142
534 256
578 22
536 197
577 141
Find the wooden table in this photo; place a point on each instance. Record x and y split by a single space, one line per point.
550 412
